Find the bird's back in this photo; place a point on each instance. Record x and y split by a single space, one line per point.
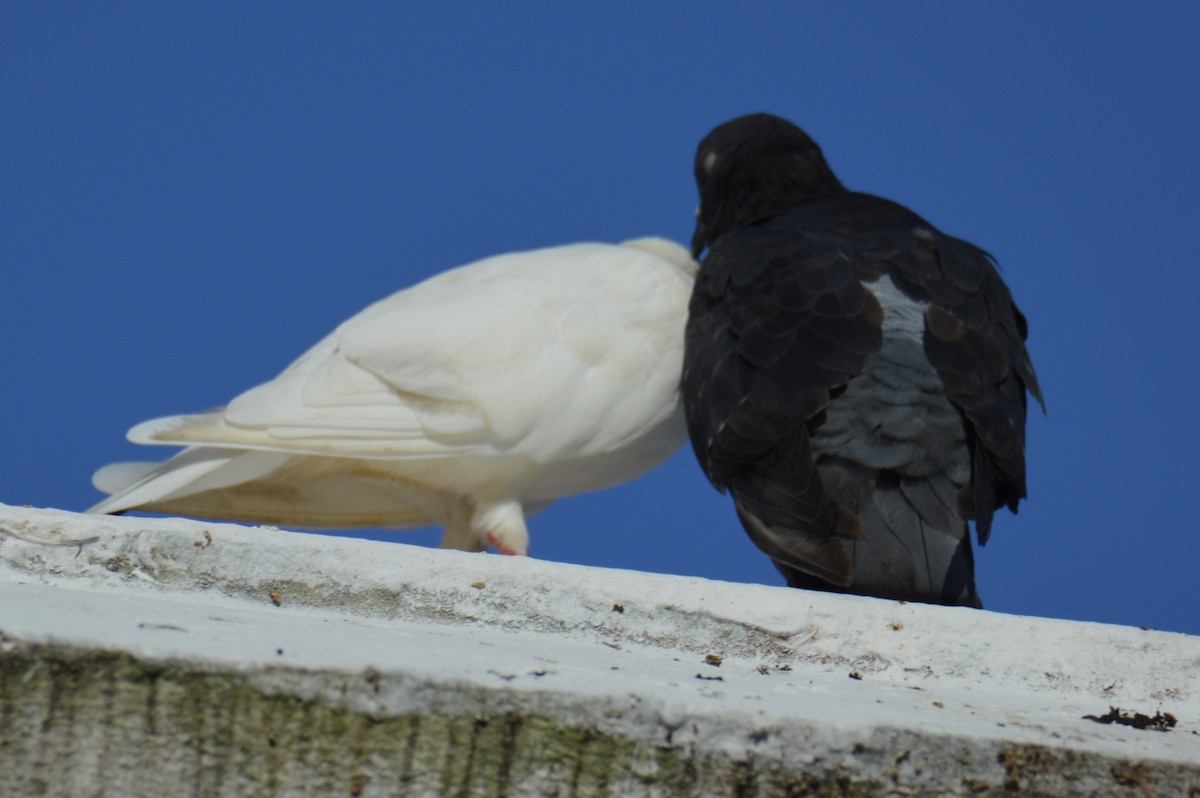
892 450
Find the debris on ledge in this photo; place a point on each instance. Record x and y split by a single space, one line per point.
175 657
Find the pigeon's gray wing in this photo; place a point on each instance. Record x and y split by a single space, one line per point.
778 321
975 339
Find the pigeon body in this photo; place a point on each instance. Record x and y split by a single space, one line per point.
853 377
469 400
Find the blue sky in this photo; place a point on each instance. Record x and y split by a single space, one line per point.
193 194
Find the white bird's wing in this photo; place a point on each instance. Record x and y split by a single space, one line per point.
570 350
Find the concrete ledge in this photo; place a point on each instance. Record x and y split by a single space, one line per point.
183 658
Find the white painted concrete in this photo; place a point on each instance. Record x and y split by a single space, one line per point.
870 691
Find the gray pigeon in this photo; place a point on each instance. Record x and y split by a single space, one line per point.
853 377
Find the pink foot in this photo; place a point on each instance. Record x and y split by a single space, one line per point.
500 547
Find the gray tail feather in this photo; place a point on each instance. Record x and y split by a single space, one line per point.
914 545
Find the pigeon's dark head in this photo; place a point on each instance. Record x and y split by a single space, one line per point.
751 168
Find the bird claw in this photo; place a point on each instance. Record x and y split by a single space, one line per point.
500 547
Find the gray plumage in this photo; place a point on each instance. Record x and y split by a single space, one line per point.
855 378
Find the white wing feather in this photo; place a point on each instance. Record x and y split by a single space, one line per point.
535 354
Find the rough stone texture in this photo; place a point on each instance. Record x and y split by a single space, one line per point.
180 658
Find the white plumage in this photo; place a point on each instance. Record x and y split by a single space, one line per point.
469 400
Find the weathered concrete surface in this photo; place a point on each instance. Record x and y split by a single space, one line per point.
181 658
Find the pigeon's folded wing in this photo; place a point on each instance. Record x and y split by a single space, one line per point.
533 355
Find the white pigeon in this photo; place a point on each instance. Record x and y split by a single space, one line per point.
469 400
